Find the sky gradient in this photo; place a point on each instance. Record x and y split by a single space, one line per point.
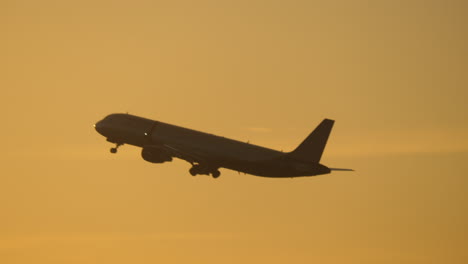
393 74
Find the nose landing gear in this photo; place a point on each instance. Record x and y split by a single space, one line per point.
114 150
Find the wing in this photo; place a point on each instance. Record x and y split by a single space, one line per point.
191 156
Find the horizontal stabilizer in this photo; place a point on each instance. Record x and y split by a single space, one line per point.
339 169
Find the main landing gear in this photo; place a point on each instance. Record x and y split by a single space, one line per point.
197 169
114 150
215 174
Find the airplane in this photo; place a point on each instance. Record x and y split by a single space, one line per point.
207 153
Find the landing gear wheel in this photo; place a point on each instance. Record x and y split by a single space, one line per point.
216 174
114 149
193 171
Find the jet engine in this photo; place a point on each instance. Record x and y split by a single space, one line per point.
155 155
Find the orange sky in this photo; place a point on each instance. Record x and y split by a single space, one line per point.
391 73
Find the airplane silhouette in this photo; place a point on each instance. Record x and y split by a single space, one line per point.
161 142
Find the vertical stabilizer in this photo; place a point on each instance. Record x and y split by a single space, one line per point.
311 149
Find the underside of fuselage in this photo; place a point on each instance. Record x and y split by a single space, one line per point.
277 168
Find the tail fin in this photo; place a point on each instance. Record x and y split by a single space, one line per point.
312 147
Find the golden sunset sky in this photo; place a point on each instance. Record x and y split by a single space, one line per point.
393 74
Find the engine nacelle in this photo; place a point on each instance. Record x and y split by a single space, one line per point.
155 155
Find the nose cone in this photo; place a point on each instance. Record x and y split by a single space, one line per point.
99 127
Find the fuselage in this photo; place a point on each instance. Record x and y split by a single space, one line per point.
203 148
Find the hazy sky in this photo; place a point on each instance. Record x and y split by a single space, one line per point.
393 74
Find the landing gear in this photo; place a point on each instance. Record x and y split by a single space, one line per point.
198 169
215 174
193 171
114 150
